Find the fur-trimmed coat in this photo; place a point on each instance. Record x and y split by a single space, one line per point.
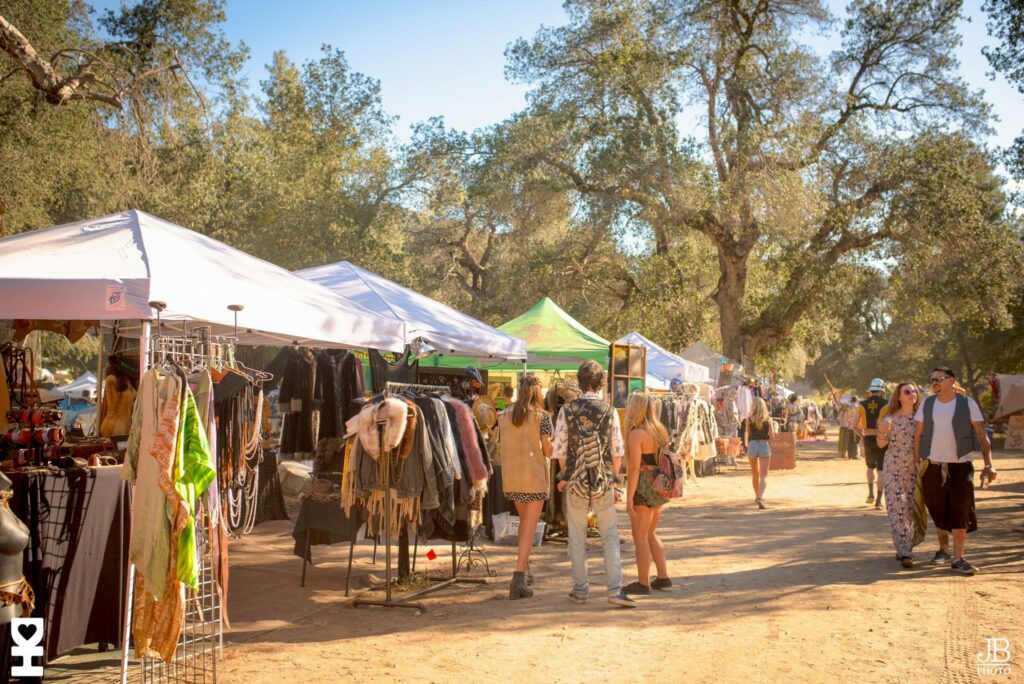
395 414
467 433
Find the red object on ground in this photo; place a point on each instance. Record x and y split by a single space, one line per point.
431 555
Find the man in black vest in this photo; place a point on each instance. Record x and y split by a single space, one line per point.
950 434
872 412
589 447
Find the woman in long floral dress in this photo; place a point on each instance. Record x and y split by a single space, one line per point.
899 470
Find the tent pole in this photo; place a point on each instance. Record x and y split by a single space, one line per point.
129 587
99 381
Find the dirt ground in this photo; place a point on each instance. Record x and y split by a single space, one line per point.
806 591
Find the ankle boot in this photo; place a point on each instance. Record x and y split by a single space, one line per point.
517 589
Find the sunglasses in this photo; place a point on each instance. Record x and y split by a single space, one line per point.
940 379
908 391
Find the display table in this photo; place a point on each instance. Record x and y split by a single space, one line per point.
79 522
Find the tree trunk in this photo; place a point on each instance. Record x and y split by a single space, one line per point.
969 376
732 285
960 342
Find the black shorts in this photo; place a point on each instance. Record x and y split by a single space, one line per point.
950 503
874 455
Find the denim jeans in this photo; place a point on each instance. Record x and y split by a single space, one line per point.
576 510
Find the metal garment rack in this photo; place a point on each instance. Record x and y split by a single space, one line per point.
201 642
407 600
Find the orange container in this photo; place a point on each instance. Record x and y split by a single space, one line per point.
783 446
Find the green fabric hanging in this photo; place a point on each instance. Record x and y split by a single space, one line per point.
194 470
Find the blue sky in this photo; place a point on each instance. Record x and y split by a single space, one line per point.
446 57
432 57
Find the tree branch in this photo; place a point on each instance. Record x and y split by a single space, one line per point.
44 77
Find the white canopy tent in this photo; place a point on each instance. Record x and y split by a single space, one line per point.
445 329
86 382
698 352
663 365
112 268
1011 395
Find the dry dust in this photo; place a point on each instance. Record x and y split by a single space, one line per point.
806 591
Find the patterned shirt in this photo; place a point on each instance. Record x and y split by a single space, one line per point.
560 444
545 424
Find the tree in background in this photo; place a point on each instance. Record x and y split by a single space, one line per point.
798 157
791 210
948 294
85 106
1006 23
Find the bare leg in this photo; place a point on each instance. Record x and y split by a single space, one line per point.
763 483
657 548
641 524
529 514
944 540
959 537
755 476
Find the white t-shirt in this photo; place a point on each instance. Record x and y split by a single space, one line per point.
943 440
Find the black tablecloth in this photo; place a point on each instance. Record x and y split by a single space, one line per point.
79 522
326 522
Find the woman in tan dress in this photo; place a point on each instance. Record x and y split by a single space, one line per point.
524 438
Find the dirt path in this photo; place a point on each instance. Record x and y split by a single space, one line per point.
807 591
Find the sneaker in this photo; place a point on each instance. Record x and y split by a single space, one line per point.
637 589
870 499
907 561
941 557
622 600
964 567
760 504
577 598
878 505
662 583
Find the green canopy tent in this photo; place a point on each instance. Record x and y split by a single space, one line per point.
554 340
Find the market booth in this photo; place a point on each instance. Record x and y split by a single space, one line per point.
557 344
424 320
431 330
189 299
663 366
1011 409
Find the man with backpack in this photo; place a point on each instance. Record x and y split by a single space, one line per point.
588 445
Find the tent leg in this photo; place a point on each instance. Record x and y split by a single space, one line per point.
99 382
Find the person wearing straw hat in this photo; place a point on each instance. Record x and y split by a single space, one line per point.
873 410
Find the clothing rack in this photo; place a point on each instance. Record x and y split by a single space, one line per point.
201 642
407 600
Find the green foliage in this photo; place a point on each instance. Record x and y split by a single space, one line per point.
831 214
1006 24
59 354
